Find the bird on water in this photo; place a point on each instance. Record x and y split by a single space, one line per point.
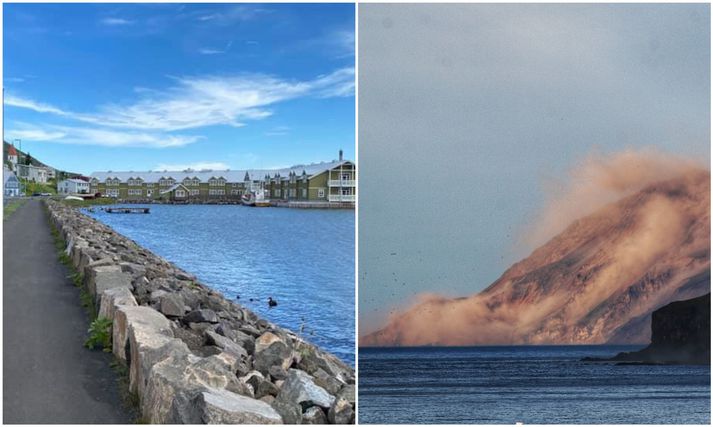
271 302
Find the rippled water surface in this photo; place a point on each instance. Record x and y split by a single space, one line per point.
303 258
540 385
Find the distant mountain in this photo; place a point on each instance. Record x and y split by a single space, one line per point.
596 282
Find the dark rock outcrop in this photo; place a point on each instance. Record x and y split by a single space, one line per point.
680 334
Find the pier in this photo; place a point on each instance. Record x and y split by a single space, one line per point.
127 210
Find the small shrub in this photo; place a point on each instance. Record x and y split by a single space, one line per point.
99 334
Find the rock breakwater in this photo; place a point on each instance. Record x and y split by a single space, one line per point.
192 355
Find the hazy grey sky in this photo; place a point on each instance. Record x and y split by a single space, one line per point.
466 110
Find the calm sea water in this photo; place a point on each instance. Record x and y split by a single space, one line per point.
303 258
546 384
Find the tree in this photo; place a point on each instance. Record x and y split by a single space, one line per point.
28 158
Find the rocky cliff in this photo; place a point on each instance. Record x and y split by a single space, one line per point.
680 333
193 356
596 282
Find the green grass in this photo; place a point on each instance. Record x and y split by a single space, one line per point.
11 207
77 277
129 399
99 334
37 187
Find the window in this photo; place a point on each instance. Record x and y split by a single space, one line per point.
180 193
277 192
216 192
194 192
166 181
346 177
267 193
135 192
293 192
320 193
304 193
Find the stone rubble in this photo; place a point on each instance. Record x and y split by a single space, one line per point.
193 356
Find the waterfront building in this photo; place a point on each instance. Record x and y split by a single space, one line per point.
32 173
11 184
328 183
73 186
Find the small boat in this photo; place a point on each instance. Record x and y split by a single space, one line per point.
74 198
255 198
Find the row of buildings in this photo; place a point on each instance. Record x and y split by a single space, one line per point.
33 173
326 182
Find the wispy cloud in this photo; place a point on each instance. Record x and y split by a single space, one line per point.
278 131
15 101
95 136
116 21
211 51
194 166
14 79
233 14
196 102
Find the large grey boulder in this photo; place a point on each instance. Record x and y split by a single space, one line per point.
213 372
314 415
150 339
172 305
111 299
290 412
168 392
341 412
299 388
216 406
201 316
226 344
102 278
327 382
271 350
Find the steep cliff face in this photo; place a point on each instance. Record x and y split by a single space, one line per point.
598 281
680 333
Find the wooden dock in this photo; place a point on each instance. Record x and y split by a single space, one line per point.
127 210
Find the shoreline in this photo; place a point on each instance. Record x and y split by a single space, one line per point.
163 317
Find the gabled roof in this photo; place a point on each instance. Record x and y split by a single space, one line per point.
173 187
11 151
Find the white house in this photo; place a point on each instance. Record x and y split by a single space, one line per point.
10 183
51 172
32 173
73 186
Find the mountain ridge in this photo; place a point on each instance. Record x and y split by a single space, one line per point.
597 281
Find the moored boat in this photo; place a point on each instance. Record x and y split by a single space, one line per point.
255 198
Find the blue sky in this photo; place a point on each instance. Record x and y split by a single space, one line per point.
167 86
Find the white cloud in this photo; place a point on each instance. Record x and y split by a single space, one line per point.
193 102
194 166
196 102
278 131
116 21
14 79
15 101
209 51
96 136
